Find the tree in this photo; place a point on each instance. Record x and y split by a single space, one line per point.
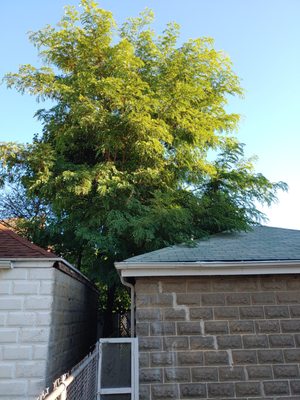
124 161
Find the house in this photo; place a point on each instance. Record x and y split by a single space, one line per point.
220 320
48 317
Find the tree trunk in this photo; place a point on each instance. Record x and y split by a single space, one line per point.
108 329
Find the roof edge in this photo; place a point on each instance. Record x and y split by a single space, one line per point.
30 259
51 260
131 269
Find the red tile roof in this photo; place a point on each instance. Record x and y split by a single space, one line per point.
14 246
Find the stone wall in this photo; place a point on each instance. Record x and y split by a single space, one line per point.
48 321
74 323
219 337
25 320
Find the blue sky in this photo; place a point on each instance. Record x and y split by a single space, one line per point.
262 39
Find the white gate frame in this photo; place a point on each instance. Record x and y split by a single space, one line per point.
134 389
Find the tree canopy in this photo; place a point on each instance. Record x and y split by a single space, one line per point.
138 150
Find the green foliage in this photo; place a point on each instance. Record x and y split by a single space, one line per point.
122 163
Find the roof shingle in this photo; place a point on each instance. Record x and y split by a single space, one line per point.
14 246
262 243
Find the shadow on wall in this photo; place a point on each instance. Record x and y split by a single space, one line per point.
74 321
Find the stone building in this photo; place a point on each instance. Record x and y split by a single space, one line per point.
220 320
48 317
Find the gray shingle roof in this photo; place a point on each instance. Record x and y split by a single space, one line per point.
261 244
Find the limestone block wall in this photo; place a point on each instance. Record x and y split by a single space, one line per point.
219 337
73 324
25 320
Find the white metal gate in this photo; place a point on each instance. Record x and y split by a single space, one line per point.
118 369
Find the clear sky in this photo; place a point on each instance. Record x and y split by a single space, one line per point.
262 39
